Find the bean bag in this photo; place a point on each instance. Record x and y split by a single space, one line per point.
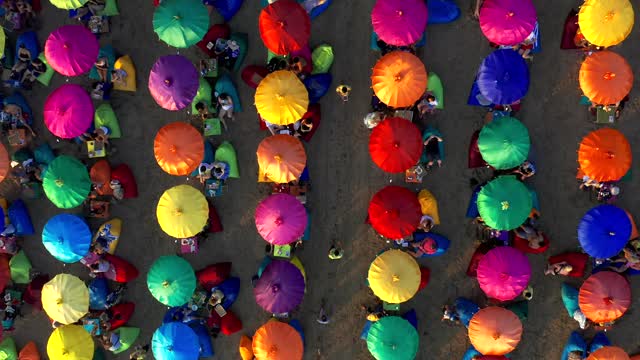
242 39
226 153
480 251
271 55
575 343
520 308
208 156
322 58
475 158
297 263
634 228
124 270
523 245
226 8
228 324
29 40
412 317
203 95
465 309
8 349
263 265
128 336
295 323
230 288
577 260
213 275
215 225
100 174
120 314
20 219
317 10
4 205
43 154
8 58
253 74
105 52
225 85
29 352
17 99
125 63
218 31
429 205
441 242
434 85
425 275
375 38
428 132
475 98
20 267
98 292
33 292
306 236
206 348
471 354
570 298
110 8
317 85
45 77
315 114
174 314
105 116
570 30
442 11
123 174
599 340
246 348
472 208
304 53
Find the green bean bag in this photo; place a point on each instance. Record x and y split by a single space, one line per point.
45 77
105 116
225 85
434 85
109 53
226 153
110 8
242 39
20 267
203 95
322 58
128 336
8 349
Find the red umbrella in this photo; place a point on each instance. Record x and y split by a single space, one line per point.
395 145
284 27
394 212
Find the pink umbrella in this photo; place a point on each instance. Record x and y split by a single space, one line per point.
399 22
173 82
503 273
71 50
68 111
507 22
281 219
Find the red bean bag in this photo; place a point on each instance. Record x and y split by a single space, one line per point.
570 30
124 270
475 258
425 275
36 5
253 74
120 314
213 275
577 260
215 225
523 245
228 324
217 31
124 174
475 158
314 113
263 125
304 53
33 294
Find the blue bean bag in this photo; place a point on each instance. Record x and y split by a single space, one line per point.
475 98
30 41
226 8
575 343
598 341
317 85
17 99
442 242
295 323
106 52
412 317
570 299
471 353
465 309
365 330
206 348
305 174
208 156
98 292
230 289
472 208
442 11
20 219
173 314
3 225
225 85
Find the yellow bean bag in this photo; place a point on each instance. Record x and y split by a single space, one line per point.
125 63
429 205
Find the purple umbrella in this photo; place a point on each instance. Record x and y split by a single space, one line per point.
280 287
503 77
173 82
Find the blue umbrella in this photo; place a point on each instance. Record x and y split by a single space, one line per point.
503 77
67 237
175 341
604 230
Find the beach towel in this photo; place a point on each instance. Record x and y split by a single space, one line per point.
45 77
322 58
105 116
213 275
123 174
569 31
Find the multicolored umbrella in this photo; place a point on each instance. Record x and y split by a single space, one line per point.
276 340
67 237
182 211
606 22
65 298
604 297
394 276
181 23
173 82
70 342
285 27
604 231
504 203
175 341
503 77
393 338
503 273
281 158
281 98
280 288
507 22
605 155
171 280
395 145
178 148
66 182
394 212
605 77
495 331
609 353
504 143
68 111
71 50
5 162
399 22
281 219
399 79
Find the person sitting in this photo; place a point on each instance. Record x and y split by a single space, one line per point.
426 223
297 65
92 7
216 298
204 172
225 108
101 135
275 129
277 63
102 66
101 90
140 352
119 76
9 244
34 69
525 48
19 68
608 192
304 127
427 104
99 267
428 246
561 268
343 91
111 341
526 170
220 170
26 12
13 118
588 183
118 190
630 259
533 236
432 150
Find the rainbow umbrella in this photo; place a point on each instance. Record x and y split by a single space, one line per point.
66 182
604 230
67 237
71 50
175 341
507 22
68 111
280 288
503 77
181 23
173 82
393 338
281 219
503 273
399 22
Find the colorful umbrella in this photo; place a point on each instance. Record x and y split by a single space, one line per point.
604 155
503 77
181 23
503 273
175 341
281 158
605 77
395 145
280 288
495 331
5 162
67 237
285 27
66 182
173 82
171 280
65 298
399 79
276 340
70 342
603 231
394 212
504 203
394 276
178 148
393 338
281 98
606 22
507 22
68 111
604 297
68 4
281 219
504 143
71 50
399 22
609 353
182 211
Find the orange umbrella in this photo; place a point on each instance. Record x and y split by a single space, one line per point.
604 155
5 162
609 353
178 148
281 158
495 331
605 296
276 340
399 79
605 77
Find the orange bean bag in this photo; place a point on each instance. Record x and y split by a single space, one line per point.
29 352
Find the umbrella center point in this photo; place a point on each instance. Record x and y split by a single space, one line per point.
277 157
504 205
496 336
59 301
610 155
612 233
282 24
399 12
173 149
396 144
168 81
278 221
275 288
608 300
273 350
397 77
511 14
609 75
177 212
65 45
609 15
176 17
279 97
504 276
59 182
395 278
60 239
393 213
165 284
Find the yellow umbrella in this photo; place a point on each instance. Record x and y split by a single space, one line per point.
606 22
394 276
281 98
182 211
65 298
70 342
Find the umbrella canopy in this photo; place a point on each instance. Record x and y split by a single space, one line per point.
66 182
605 77
175 341
173 82
281 158
606 22
399 79
70 342
178 148
182 211
504 143
604 155
65 298
507 22
604 230
394 276
68 4
181 23
395 145
281 219
280 288
276 340
171 280
281 98
605 296
5 162
495 331
394 212
609 353
399 22
503 77
68 111
285 27
393 338
503 273
504 203
71 50
67 237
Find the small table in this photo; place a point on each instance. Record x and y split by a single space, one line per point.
17 138
96 149
606 115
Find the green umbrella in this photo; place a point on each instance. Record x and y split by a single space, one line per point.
181 23
66 182
392 338
68 4
171 280
504 143
504 203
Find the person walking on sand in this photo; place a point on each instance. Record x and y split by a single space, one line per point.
343 91
335 253
323 318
